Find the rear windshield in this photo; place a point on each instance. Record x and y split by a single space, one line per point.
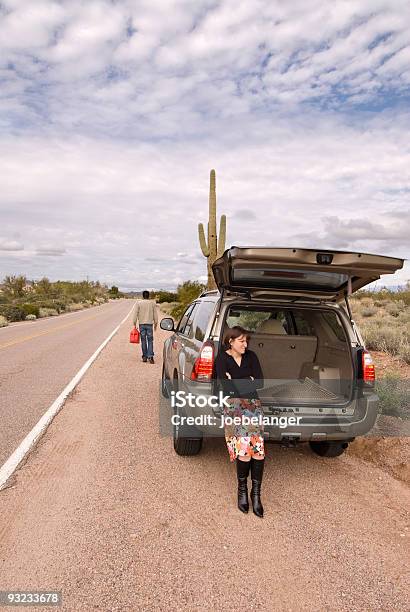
289 278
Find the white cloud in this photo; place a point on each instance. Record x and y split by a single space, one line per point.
50 251
10 245
112 114
160 69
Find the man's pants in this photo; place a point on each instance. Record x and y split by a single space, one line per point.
147 339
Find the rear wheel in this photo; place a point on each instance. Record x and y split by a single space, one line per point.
187 439
329 449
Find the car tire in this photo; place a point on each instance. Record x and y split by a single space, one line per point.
187 439
330 448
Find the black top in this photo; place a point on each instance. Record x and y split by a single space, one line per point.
250 366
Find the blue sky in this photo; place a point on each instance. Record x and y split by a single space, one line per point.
112 114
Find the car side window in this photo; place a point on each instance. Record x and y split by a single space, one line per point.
189 324
283 317
335 325
181 325
202 316
303 327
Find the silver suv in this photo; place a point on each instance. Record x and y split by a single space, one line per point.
295 303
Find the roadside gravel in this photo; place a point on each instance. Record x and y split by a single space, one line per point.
105 511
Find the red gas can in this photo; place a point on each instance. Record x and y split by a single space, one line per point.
135 336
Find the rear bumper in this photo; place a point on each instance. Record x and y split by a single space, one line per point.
319 423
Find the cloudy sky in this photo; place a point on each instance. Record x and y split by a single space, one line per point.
112 114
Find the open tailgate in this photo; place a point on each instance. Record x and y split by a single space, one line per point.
325 275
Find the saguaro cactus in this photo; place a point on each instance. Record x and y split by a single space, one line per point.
216 245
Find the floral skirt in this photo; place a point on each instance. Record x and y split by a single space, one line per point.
246 438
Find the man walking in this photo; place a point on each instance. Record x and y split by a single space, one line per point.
145 311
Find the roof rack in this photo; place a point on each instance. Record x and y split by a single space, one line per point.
215 291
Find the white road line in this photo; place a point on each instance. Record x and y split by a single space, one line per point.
12 463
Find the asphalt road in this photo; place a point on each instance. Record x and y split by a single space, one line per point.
38 359
106 512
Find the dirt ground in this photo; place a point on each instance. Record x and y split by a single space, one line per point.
105 511
390 453
387 364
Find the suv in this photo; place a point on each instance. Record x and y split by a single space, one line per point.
294 302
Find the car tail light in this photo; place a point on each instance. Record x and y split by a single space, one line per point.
369 375
204 364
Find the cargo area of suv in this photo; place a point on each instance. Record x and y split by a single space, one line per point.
305 353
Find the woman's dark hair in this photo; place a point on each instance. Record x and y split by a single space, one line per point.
145 295
234 332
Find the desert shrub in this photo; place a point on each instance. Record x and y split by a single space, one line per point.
168 307
48 312
392 309
3 321
379 303
187 292
59 305
386 295
395 308
74 307
166 296
393 392
366 301
30 309
368 312
177 311
12 313
388 338
46 304
404 353
405 296
404 317
31 317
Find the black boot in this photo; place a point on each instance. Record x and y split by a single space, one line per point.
256 476
242 471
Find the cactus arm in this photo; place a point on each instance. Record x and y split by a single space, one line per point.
222 236
202 242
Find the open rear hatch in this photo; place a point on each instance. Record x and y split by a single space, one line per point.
309 273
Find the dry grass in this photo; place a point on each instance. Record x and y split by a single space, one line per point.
48 312
3 321
368 312
384 324
168 307
74 307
